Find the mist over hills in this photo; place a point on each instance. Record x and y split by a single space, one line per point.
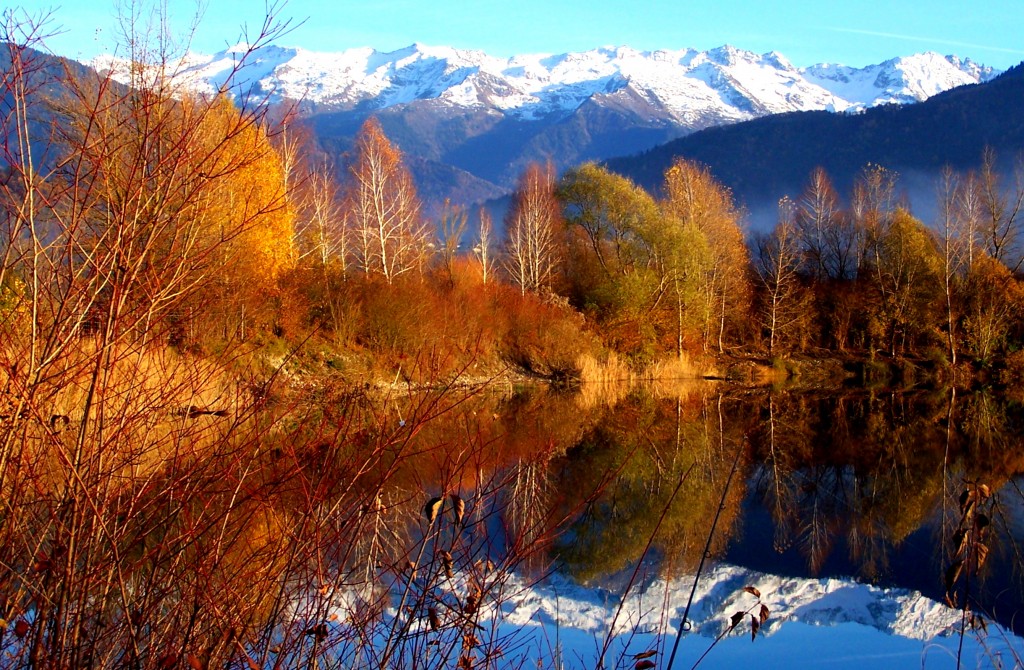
764 159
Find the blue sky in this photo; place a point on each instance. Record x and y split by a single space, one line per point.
855 33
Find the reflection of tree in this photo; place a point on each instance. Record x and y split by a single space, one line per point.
870 469
528 514
639 453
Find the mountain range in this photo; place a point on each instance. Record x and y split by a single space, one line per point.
469 122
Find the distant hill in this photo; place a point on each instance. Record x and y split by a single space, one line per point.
766 158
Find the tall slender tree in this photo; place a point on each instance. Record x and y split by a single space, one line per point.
531 227
695 198
382 209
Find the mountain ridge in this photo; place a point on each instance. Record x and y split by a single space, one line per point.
471 122
687 84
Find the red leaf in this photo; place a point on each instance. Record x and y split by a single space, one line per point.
644 665
752 591
21 628
646 654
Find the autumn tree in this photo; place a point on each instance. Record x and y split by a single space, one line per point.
612 256
381 208
872 206
993 300
829 241
483 250
452 228
137 205
906 269
694 198
955 228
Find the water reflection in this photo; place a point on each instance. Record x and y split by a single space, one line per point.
863 484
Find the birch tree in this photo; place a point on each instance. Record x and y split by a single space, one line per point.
531 228
382 209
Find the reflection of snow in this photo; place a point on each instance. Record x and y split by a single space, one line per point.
813 623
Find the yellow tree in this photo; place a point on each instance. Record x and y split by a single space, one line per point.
906 265
695 198
382 209
613 231
247 209
186 210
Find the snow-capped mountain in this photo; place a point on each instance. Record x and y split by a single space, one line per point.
685 88
469 123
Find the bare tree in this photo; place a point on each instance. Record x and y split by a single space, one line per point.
1001 207
530 227
483 251
382 209
777 262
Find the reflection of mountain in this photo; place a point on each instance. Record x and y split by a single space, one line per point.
812 623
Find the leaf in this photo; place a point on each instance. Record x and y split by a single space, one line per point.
42 563
763 615
644 665
435 621
736 618
318 631
982 553
981 521
953 573
964 497
754 626
752 591
21 628
646 654
446 561
194 662
984 491
458 507
432 509
960 540
168 660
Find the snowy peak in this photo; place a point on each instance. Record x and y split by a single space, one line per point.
692 88
899 80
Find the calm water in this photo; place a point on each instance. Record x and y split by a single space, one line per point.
868 485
